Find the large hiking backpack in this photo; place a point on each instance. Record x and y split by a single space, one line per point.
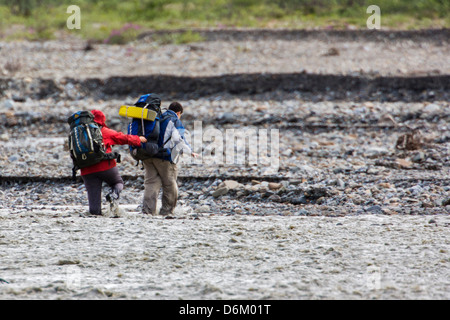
147 128
86 142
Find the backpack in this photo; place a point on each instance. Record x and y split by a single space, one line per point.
149 129
86 142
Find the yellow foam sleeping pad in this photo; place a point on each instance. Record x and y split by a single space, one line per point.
137 113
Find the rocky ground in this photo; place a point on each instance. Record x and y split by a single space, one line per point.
363 128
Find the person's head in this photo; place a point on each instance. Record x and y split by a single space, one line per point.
177 108
99 117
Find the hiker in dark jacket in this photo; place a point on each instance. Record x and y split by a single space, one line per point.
106 170
162 171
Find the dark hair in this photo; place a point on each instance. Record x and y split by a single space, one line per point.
176 107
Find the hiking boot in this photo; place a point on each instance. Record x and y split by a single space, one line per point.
89 215
147 213
114 209
112 198
166 213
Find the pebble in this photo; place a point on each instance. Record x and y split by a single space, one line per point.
376 209
230 184
376 152
418 157
432 108
4 136
274 186
13 158
203 209
7 105
220 192
301 212
275 198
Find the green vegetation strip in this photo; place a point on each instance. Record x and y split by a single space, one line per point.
118 22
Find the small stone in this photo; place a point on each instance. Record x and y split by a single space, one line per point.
376 209
13 158
220 192
18 98
403 163
295 182
274 185
299 200
431 108
8 105
301 212
230 184
321 200
416 190
376 152
4 136
331 52
275 198
418 157
227 117
340 183
203 209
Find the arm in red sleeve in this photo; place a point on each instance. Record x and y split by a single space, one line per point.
112 137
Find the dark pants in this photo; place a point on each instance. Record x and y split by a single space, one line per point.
93 183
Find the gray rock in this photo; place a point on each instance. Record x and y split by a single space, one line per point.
274 186
376 209
13 158
301 212
4 136
227 117
230 184
446 202
376 152
431 108
275 198
220 192
416 190
418 157
8 105
203 209
299 200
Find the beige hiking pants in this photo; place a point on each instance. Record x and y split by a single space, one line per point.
160 173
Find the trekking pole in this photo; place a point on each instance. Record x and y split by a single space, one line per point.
142 119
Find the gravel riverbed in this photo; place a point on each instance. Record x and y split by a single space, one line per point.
353 201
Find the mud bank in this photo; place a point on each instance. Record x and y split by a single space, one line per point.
429 35
335 87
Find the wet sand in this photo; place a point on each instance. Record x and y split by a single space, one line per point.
55 254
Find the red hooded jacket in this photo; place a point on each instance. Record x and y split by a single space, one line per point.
110 138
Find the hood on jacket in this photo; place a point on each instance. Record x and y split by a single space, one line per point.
99 118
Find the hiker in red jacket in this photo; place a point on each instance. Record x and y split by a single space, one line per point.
106 171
